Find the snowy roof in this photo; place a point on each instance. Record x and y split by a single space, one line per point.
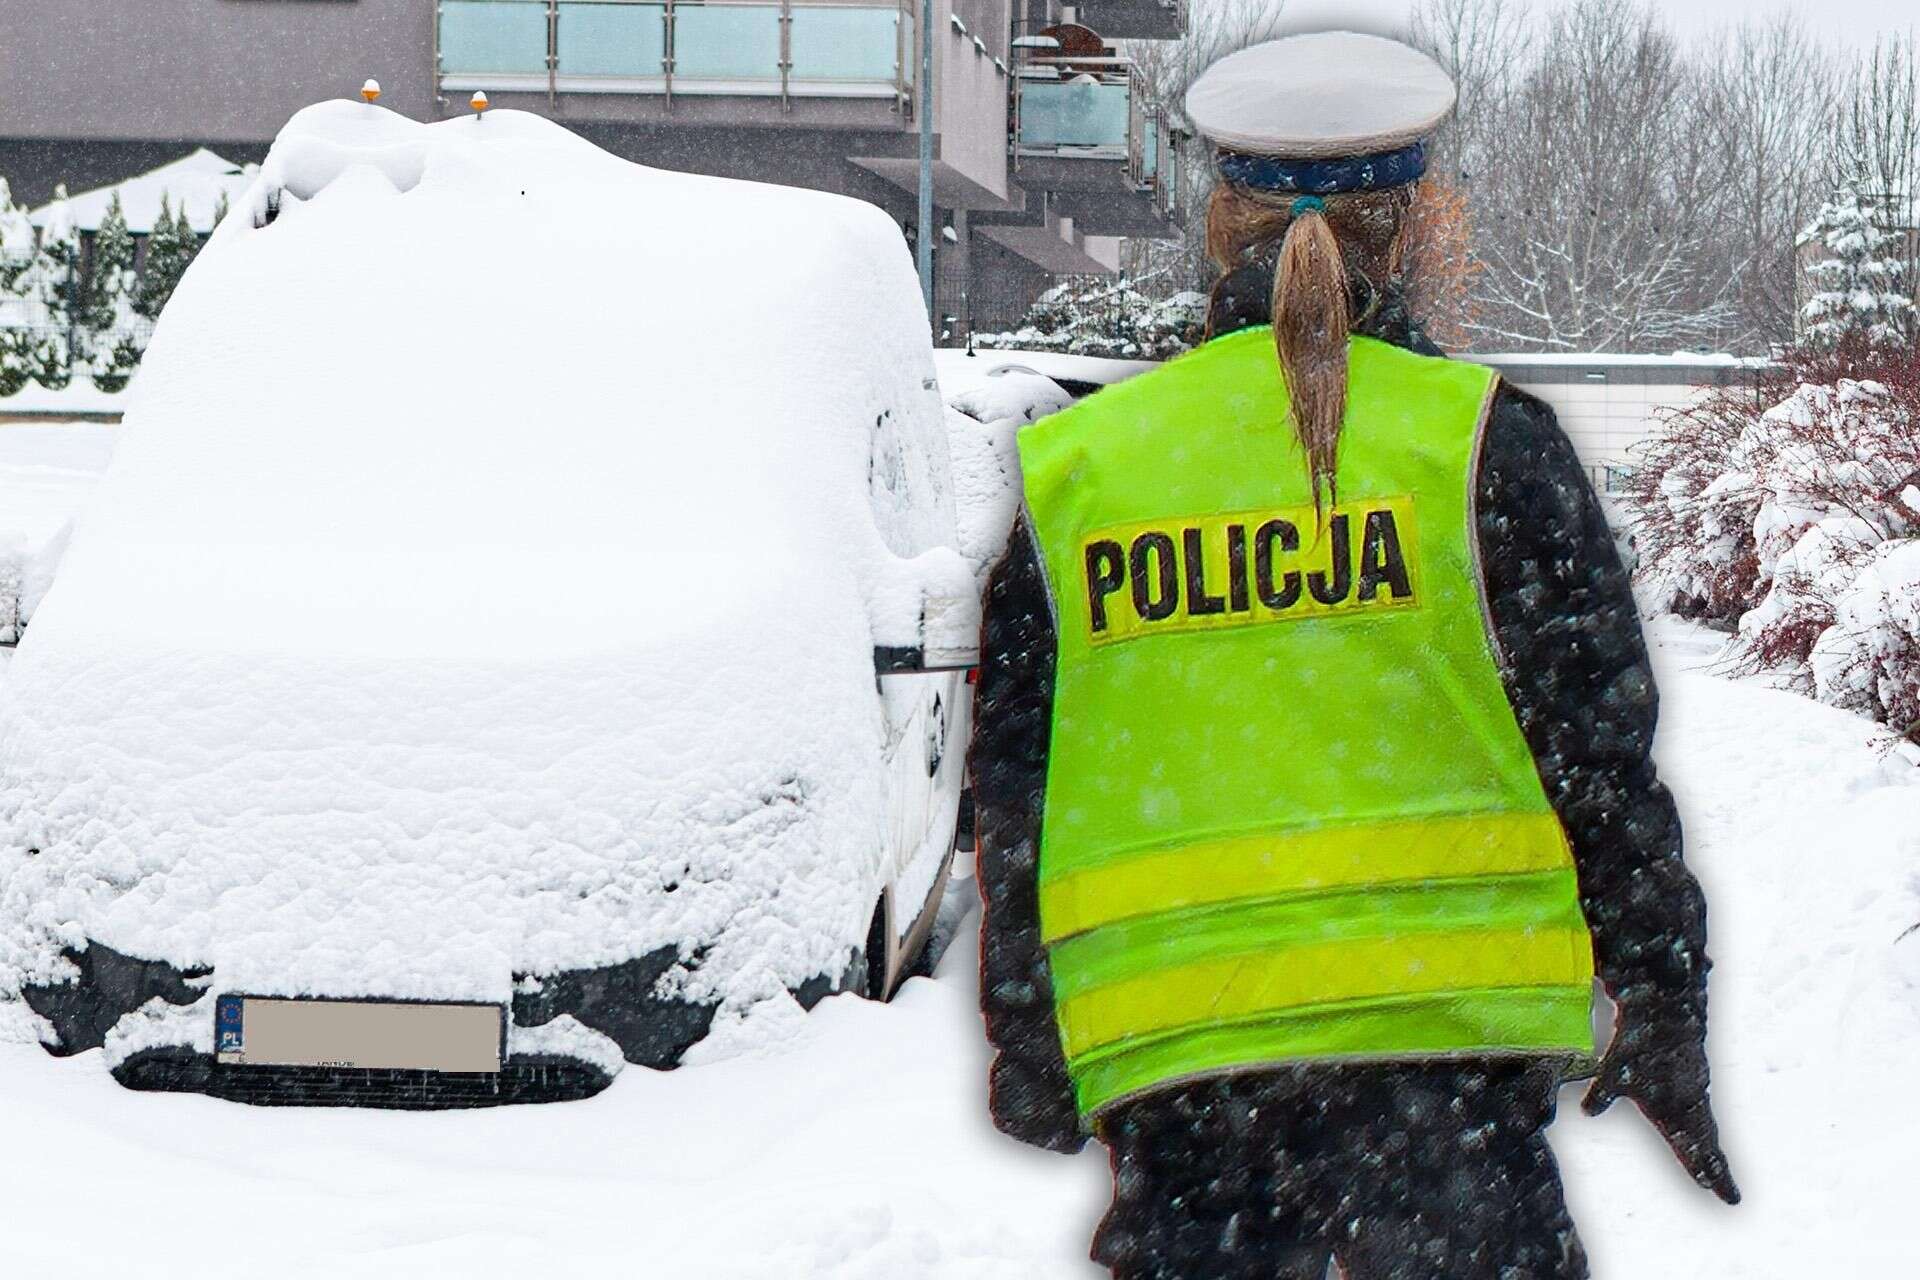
198 180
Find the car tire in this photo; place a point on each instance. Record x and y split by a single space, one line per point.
879 943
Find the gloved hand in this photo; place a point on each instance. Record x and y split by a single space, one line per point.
1658 1058
1034 1105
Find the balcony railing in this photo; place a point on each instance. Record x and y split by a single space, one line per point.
784 49
1097 109
1059 111
1162 161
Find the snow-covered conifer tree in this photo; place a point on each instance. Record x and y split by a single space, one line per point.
16 240
17 247
53 294
170 248
1857 278
107 316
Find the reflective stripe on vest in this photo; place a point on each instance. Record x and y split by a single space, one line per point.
1289 813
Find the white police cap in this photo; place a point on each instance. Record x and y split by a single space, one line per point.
1332 95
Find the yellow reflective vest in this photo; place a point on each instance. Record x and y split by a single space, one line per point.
1289 812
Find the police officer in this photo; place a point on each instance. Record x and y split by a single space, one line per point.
1313 756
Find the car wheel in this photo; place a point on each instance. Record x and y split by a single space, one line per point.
879 945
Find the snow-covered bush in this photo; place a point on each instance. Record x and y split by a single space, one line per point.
1790 511
1101 316
1869 659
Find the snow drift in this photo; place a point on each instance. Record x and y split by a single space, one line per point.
772 1168
485 585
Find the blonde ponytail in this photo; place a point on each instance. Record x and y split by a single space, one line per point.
1312 314
1324 247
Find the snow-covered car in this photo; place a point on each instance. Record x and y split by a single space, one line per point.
521 631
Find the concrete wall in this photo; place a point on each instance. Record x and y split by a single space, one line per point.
1004 285
1605 422
1607 406
189 70
971 111
1103 249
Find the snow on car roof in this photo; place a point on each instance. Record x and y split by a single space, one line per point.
485 582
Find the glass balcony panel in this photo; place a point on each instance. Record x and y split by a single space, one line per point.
1073 113
726 42
1150 153
842 43
612 39
493 37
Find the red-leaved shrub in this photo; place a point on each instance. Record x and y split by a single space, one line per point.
1789 509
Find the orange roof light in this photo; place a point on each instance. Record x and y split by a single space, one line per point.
370 90
479 102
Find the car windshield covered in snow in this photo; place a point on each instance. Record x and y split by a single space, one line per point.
482 606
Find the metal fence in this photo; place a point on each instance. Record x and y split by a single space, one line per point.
28 337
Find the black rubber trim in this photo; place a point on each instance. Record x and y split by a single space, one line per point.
529 1078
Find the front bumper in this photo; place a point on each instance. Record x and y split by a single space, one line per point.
619 1005
522 1079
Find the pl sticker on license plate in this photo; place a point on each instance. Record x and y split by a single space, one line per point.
229 1013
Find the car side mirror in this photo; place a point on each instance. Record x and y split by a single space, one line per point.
930 617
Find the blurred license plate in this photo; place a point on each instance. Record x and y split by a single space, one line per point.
368 1034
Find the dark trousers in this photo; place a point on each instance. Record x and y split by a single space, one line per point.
1402 1172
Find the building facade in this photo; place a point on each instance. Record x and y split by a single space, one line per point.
1048 147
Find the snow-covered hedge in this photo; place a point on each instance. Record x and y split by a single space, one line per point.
1789 512
68 315
1102 316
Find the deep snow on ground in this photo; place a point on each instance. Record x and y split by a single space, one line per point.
862 1150
1806 835
46 472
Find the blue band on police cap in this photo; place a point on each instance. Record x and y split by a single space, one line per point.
1325 177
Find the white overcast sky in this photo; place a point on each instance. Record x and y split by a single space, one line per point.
1841 21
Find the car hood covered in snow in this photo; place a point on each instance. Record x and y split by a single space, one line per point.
485 584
